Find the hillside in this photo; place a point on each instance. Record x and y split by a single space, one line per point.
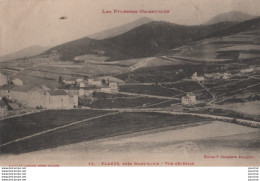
120 29
238 42
237 28
234 16
146 40
26 52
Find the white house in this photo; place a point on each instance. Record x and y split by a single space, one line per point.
106 89
197 78
189 99
68 82
17 81
3 79
113 86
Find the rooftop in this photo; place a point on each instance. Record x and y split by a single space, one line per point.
190 94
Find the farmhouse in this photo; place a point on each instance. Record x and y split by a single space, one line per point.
3 108
69 82
189 99
3 79
59 99
197 78
17 81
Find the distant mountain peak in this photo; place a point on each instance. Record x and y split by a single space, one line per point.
144 18
121 29
235 16
26 52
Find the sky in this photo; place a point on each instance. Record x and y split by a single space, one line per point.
24 23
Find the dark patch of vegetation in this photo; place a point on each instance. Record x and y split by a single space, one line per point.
149 90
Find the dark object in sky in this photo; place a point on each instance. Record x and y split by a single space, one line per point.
63 17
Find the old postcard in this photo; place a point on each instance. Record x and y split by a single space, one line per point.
129 83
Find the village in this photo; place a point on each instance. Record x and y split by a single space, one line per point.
17 98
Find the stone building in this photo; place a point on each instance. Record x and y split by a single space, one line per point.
189 99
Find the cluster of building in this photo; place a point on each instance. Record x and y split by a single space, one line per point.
65 98
41 97
87 87
44 97
197 78
224 76
208 76
13 93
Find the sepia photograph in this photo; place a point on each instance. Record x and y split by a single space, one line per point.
129 83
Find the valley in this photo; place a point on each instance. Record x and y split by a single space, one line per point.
196 85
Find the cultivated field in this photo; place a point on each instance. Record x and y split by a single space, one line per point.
171 144
108 126
37 122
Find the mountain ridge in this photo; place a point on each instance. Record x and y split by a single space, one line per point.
120 29
146 40
233 16
25 52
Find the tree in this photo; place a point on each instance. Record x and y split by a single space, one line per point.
60 79
103 82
